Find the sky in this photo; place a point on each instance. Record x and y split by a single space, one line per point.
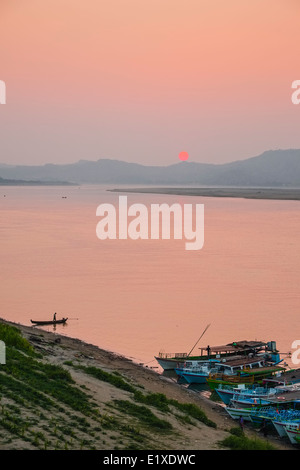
143 80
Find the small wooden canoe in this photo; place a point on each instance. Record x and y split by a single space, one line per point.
51 322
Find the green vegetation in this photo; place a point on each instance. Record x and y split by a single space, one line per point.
42 391
157 400
144 414
43 407
162 403
42 380
113 379
13 337
193 411
238 441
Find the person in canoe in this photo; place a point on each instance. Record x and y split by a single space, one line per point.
54 317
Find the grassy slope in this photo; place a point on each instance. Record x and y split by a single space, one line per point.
47 403
43 406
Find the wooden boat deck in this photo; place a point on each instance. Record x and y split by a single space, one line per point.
287 397
290 376
236 361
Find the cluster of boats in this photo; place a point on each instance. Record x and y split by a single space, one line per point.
249 379
278 406
237 362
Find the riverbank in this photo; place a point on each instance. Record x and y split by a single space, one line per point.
244 193
67 394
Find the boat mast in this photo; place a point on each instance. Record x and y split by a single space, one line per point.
198 340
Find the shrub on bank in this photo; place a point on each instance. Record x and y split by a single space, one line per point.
13 337
238 441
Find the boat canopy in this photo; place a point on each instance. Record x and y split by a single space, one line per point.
239 363
237 346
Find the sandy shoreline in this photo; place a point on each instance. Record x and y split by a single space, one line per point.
57 349
244 193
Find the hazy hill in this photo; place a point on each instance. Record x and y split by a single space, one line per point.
15 182
278 168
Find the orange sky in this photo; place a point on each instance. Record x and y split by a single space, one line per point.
141 80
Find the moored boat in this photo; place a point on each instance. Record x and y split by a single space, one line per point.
196 371
171 361
288 377
256 414
238 412
228 392
246 401
281 425
246 376
293 432
227 366
195 376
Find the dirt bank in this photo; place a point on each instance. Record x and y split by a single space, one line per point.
61 350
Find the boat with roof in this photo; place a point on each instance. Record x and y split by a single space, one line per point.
171 361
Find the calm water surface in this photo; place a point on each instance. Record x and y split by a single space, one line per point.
141 297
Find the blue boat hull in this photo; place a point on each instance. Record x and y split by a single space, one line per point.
225 397
194 378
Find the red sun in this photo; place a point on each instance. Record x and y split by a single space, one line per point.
183 156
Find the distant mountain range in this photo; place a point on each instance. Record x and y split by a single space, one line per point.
274 168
